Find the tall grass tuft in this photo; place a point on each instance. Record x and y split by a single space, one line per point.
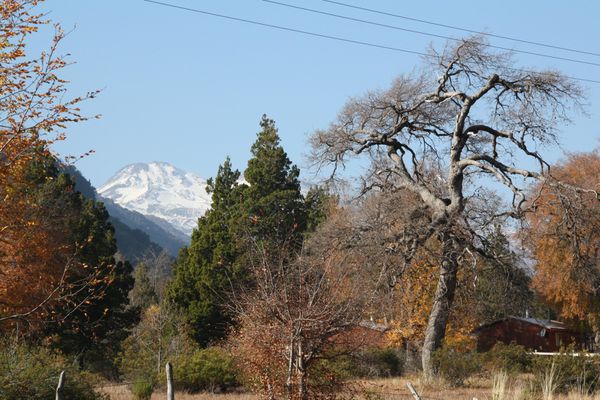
549 382
500 390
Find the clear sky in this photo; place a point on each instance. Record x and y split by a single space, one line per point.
190 89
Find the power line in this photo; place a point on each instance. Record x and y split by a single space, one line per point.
320 35
285 28
457 28
427 33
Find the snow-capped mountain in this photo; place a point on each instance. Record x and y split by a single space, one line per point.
160 190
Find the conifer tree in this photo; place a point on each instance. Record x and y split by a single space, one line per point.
269 211
94 315
503 287
205 270
273 213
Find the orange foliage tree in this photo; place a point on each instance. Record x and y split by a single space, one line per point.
564 237
34 113
414 293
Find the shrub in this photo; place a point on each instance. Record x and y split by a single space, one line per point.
32 373
380 363
142 389
571 372
371 363
205 369
511 358
456 366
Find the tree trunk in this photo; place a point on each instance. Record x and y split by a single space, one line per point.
289 381
595 325
170 388
302 394
60 386
159 358
440 311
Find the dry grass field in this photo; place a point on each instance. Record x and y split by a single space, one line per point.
498 388
393 389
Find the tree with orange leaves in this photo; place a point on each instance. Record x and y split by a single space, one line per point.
33 112
564 237
33 115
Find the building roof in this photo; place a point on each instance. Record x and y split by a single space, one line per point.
544 323
548 324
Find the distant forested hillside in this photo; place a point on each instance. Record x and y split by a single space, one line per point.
137 236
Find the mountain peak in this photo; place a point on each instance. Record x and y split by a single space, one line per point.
161 190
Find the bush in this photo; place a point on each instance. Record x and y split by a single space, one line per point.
573 373
32 373
456 366
206 369
511 358
371 363
380 363
142 389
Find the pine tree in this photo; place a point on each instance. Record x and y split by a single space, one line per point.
268 211
94 317
318 203
273 214
503 288
204 271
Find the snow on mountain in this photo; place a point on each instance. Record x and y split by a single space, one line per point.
159 189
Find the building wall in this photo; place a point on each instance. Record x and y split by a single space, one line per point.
525 334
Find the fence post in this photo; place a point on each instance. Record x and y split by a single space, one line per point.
413 391
170 391
59 387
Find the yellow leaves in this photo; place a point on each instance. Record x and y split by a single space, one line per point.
414 296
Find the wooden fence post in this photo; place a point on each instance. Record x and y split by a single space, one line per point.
59 387
170 390
413 391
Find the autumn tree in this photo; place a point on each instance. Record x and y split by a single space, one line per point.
470 117
34 113
160 336
301 303
36 256
564 237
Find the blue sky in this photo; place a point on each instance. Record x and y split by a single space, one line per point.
190 89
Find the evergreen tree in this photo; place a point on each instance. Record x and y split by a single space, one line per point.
318 203
273 213
95 316
143 294
268 211
204 271
503 288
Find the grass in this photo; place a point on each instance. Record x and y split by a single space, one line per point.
499 387
122 392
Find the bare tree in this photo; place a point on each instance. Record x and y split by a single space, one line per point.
468 118
293 313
